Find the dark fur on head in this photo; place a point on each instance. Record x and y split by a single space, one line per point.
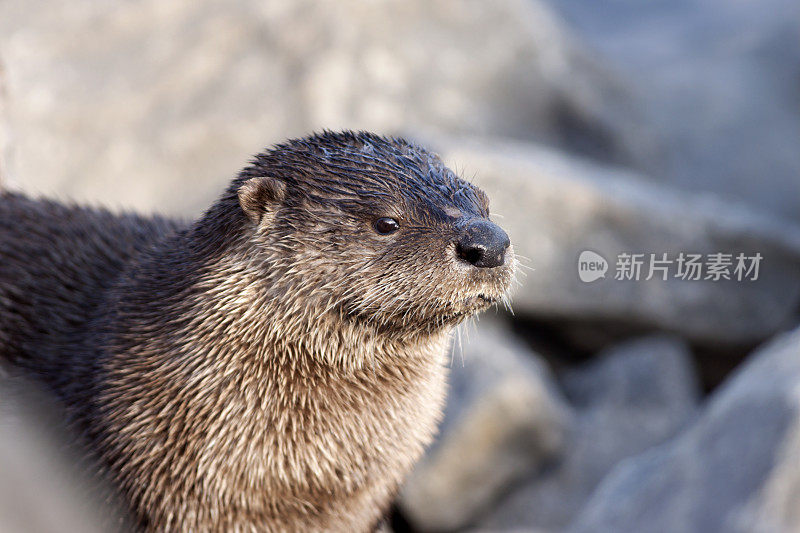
279 364
328 190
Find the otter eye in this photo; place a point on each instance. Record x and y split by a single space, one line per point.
386 225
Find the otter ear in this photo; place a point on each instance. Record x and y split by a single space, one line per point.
258 195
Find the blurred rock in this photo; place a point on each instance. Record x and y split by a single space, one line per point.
4 130
155 105
648 372
41 489
718 83
516 530
555 207
634 396
504 419
736 469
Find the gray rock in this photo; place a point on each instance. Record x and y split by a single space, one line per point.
155 107
41 489
648 372
717 81
634 396
735 469
555 207
504 419
516 530
5 141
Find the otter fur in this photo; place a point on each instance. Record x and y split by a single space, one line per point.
278 364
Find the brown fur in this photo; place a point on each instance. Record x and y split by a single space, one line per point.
276 365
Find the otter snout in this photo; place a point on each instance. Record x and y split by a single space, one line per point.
483 244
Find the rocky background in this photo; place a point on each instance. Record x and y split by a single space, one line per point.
617 126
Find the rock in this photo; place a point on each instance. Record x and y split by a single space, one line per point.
504 419
717 83
555 207
5 135
632 397
649 372
41 489
516 530
154 107
735 469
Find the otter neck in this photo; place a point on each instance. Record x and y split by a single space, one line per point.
210 302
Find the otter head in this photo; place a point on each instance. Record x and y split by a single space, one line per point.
376 230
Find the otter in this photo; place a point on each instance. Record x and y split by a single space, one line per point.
278 364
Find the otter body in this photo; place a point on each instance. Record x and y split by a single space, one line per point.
277 365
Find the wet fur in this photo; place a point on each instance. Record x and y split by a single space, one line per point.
277 364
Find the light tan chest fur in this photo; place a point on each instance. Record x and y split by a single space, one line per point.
308 452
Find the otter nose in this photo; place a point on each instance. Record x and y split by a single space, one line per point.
483 244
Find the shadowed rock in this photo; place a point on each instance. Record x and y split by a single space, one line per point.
736 469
